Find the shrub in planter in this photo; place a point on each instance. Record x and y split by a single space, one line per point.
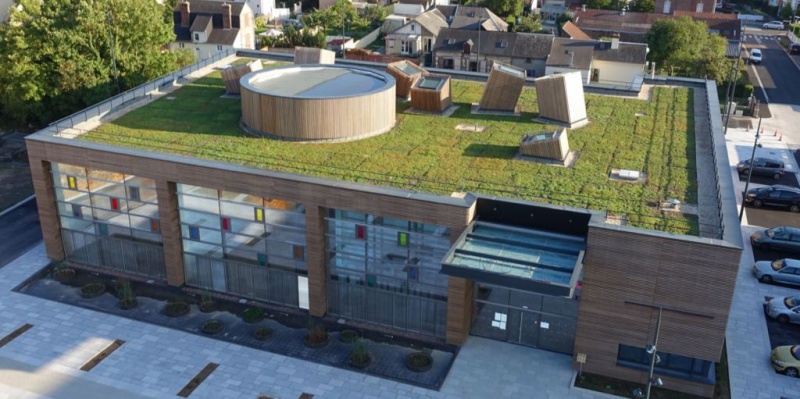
317 337
176 309
359 357
127 299
348 336
93 290
62 272
206 304
253 315
212 326
262 333
419 362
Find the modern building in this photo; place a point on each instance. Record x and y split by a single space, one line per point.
209 27
472 50
423 231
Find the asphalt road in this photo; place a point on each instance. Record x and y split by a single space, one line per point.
779 75
19 232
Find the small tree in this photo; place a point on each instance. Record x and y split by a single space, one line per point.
261 22
528 23
786 11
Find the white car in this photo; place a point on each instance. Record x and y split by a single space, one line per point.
755 56
773 25
779 271
783 309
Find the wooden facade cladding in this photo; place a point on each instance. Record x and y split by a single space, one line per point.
311 55
629 274
319 119
41 173
406 74
560 97
170 223
232 74
460 294
554 146
315 259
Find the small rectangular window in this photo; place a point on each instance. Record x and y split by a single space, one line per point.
194 233
258 215
298 252
76 211
134 193
219 47
154 225
225 224
72 182
115 204
361 232
402 238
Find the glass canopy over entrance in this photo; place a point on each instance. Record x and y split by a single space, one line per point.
527 259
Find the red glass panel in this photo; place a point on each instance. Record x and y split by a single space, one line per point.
226 224
115 204
361 232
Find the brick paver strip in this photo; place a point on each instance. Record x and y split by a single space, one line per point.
197 380
102 355
14 334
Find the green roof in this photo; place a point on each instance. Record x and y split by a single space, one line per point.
426 153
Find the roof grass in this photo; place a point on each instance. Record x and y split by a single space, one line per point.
426 153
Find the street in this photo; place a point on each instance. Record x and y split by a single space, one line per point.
20 231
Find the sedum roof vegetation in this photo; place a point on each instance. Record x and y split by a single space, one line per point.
426 153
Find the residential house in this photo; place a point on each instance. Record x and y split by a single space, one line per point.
209 27
470 18
5 6
633 26
670 6
411 7
262 7
476 50
417 36
613 63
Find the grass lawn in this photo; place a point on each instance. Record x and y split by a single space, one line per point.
425 153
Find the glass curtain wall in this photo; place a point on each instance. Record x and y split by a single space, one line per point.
244 245
109 220
386 271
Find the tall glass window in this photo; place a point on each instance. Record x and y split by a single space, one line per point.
386 271
109 219
243 244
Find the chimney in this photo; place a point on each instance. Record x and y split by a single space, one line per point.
583 7
185 14
226 16
615 41
571 57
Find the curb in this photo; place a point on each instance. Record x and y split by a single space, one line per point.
789 54
17 205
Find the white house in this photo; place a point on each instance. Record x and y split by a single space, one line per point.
416 36
601 63
209 27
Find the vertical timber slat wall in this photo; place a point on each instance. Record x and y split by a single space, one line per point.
315 259
459 309
41 173
171 231
623 286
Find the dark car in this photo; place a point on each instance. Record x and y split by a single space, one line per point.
776 195
794 48
783 238
763 167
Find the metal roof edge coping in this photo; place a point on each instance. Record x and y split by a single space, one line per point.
466 201
665 234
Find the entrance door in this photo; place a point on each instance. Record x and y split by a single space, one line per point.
529 328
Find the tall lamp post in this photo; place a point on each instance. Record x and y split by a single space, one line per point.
652 351
750 168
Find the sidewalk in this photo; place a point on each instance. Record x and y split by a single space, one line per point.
157 362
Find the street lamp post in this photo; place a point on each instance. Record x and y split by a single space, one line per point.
653 351
750 168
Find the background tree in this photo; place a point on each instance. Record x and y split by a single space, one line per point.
56 55
786 11
564 18
685 47
642 6
505 7
528 23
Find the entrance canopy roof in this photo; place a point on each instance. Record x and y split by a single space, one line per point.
528 259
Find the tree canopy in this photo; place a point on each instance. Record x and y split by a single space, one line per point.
338 15
59 56
528 23
685 47
505 7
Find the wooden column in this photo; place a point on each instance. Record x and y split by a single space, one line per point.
41 172
459 309
166 192
315 258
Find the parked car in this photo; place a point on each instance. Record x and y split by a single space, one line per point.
783 309
776 195
780 271
783 238
794 48
763 166
773 25
755 56
786 359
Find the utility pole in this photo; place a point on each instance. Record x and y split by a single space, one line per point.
750 169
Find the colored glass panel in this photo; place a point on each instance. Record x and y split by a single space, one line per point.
76 210
102 229
194 232
154 225
413 273
72 182
134 193
259 215
262 259
115 204
361 232
371 280
299 252
402 238
226 224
